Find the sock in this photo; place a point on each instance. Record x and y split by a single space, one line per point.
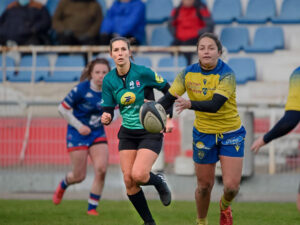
153 180
93 201
140 204
224 203
64 184
202 221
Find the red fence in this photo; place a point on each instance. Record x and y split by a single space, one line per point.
46 143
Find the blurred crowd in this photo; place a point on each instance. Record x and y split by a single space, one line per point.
81 22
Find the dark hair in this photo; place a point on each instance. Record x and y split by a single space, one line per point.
120 39
197 4
213 37
86 73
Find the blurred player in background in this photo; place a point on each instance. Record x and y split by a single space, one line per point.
288 122
85 135
218 133
128 85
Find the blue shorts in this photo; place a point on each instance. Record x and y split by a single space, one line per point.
208 147
76 141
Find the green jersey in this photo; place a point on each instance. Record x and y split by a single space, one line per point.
129 93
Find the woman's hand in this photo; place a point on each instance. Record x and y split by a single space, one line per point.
84 130
258 144
182 104
169 125
106 118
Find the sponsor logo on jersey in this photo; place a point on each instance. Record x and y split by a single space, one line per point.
158 78
137 82
131 85
128 98
89 95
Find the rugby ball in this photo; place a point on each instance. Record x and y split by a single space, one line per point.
153 117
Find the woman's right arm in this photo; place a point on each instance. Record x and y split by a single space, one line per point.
66 112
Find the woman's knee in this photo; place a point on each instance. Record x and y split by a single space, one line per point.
140 177
101 170
231 186
129 183
204 189
79 177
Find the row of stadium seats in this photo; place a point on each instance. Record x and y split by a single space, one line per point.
223 11
68 68
266 39
257 11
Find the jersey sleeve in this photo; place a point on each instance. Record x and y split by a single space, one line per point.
178 86
152 79
226 86
107 95
293 101
74 96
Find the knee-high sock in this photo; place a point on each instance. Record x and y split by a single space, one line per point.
140 204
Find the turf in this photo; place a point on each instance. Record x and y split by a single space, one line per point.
37 212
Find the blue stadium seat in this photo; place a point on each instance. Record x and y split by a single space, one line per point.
9 63
143 60
267 39
225 11
169 62
234 38
24 75
158 11
289 13
51 6
102 3
244 69
75 64
161 36
259 11
4 4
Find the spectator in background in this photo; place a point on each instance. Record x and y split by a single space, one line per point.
125 18
188 22
77 22
25 22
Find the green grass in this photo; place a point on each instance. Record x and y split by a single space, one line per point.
72 212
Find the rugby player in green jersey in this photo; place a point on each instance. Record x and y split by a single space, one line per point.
128 85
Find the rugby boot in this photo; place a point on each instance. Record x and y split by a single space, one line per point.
226 216
164 191
92 212
58 194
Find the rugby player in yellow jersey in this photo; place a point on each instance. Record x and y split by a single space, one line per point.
289 121
218 133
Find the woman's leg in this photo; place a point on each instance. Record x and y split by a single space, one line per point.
99 156
231 175
134 192
78 173
205 181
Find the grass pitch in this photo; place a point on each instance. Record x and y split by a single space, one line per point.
73 212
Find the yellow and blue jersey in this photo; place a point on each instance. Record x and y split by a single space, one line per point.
201 85
293 101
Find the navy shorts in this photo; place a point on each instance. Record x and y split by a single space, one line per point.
76 141
208 147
